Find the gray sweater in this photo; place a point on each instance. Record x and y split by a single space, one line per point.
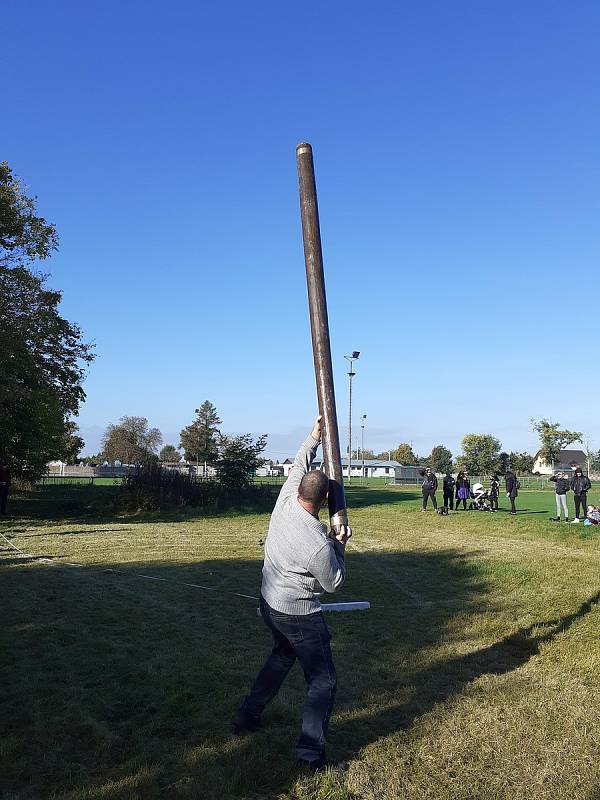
301 562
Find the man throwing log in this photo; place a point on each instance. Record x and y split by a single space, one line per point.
302 560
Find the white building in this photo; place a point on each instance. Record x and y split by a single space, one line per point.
373 468
566 461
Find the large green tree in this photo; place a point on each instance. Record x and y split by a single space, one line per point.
553 439
238 458
131 441
440 459
43 356
170 453
480 453
404 455
200 439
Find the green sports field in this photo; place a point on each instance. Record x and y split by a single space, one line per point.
474 676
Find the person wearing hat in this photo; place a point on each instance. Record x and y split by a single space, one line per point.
580 484
429 487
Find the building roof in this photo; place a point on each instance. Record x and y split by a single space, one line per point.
566 456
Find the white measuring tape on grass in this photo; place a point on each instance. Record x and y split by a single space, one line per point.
355 606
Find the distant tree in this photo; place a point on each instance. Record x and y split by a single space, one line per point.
595 461
200 439
440 459
404 455
42 355
170 453
238 458
93 461
366 454
480 453
503 463
521 463
73 444
553 439
131 441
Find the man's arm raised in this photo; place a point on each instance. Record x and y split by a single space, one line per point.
303 460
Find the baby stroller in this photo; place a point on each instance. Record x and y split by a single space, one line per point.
480 499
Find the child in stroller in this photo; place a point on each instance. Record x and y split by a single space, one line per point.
480 498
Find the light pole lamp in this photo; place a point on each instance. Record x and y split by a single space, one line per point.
362 441
351 374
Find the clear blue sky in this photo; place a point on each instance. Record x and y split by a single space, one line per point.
458 169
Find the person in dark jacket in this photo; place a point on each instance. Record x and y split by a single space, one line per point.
463 490
449 484
429 487
562 486
5 483
580 484
512 489
494 492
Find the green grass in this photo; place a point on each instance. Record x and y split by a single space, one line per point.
474 676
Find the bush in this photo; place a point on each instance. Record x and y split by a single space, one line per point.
154 488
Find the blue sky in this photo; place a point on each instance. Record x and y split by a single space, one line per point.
458 170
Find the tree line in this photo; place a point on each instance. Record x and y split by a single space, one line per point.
482 454
233 457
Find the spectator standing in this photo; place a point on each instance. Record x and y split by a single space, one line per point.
562 486
580 484
449 484
5 484
494 492
429 487
463 489
512 489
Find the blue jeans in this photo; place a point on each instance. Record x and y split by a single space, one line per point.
306 638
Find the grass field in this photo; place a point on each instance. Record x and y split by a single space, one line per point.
474 676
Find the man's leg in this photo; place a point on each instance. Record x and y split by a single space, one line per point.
513 508
425 496
584 504
313 651
434 500
577 503
271 676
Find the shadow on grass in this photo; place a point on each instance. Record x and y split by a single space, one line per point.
123 687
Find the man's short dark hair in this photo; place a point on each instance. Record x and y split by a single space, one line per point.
314 487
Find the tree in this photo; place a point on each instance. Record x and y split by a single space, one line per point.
553 439
503 463
23 235
200 439
170 453
131 441
404 455
521 463
595 462
238 458
72 443
366 454
440 459
480 453
43 356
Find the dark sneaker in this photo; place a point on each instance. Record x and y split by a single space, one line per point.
244 723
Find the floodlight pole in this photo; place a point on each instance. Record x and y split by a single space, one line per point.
351 374
362 442
319 326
